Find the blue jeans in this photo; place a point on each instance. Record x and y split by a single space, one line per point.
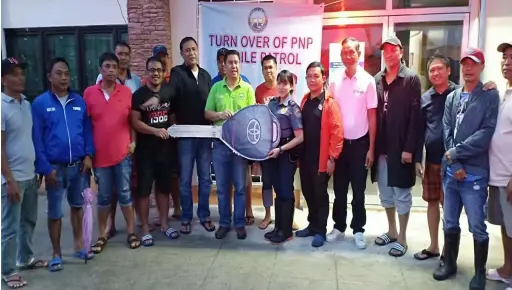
70 182
18 223
195 151
230 169
117 176
472 195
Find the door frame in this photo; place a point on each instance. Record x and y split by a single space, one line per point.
342 21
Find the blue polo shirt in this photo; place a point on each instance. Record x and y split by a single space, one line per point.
19 148
218 78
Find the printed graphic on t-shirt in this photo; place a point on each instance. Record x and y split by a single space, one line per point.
156 115
386 93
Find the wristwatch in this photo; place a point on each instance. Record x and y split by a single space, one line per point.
332 158
280 150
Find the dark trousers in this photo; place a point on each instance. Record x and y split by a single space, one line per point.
314 189
351 169
282 175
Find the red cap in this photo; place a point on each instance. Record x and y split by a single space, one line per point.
475 54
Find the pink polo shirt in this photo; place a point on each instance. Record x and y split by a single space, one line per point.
111 127
355 96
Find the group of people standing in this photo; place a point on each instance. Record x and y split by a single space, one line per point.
117 133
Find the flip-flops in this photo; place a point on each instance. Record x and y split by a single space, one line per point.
82 255
15 281
383 240
493 275
397 250
32 264
171 234
55 264
425 255
147 241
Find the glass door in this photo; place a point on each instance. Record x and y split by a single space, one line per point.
423 36
368 30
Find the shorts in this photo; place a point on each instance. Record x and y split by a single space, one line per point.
499 209
157 169
432 184
71 182
115 177
399 198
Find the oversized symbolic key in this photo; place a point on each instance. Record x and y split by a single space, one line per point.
251 132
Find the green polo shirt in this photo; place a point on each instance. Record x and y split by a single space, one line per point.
221 98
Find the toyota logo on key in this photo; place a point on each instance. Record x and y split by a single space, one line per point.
253 131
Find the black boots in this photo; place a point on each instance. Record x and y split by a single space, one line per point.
284 225
277 222
451 252
481 249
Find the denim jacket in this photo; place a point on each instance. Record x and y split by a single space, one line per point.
468 149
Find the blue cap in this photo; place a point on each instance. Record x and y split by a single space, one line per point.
159 49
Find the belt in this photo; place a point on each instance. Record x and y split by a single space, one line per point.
71 164
353 141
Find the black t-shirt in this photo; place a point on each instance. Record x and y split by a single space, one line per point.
311 124
156 116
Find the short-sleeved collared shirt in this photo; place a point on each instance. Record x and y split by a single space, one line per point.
355 96
19 148
288 113
221 98
500 159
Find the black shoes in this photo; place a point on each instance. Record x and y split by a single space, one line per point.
448 267
277 221
285 232
241 234
221 233
481 249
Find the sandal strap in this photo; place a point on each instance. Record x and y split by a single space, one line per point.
397 246
385 238
145 238
133 238
170 231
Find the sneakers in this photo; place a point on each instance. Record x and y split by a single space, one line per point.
335 235
360 241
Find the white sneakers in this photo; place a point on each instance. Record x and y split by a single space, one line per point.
360 241
336 235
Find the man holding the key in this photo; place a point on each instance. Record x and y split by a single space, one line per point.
226 98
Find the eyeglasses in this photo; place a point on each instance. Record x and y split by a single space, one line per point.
155 70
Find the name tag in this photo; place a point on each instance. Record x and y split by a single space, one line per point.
77 109
50 109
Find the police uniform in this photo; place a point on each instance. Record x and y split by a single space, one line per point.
282 169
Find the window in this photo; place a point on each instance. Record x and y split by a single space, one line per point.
64 46
28 53
397 4
351 5
421 40
80 46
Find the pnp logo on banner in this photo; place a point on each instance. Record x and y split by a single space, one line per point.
258 19
289 32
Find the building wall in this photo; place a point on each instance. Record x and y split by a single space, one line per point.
42 13
498 21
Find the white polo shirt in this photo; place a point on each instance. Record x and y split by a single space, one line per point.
355 96
500 159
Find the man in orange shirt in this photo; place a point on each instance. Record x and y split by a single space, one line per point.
323 141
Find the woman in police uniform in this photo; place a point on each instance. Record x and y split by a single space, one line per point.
282 162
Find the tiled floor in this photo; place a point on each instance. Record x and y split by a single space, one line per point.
199 261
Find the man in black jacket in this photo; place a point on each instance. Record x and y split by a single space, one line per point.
190 88
398 112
